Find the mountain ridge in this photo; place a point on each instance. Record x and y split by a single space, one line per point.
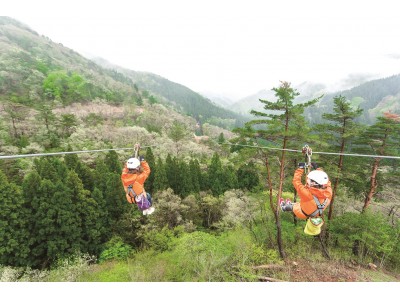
26 54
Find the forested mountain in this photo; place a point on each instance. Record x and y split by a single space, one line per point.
29 58
374 97
186 100
64 215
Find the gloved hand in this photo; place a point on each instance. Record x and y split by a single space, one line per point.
314 165
141 158
302 165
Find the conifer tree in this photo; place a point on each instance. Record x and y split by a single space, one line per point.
195 175
339 132
84 172
103 218
230 178
185 179
247 177
43 227
86 214
14 232
115 198
221 138
171 165
51 168
216 176
31 189
383 138
285 127
46 116
149 183
160 177
112 162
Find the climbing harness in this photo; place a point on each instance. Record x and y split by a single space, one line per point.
320 208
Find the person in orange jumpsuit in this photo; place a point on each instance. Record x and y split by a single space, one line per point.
134 175
317 189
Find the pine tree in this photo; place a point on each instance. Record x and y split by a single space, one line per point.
383 138
339 132
285 126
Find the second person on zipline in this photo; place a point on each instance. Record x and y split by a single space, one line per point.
134 175
315 195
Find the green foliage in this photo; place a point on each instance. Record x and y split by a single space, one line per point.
160 177
248 177
14 249
199 257
152 164
64 87
115 249
178 131
369 237
162 240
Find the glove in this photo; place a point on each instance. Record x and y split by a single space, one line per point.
302 165
141 158
314 165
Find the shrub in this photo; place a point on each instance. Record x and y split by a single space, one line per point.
115 249
367 236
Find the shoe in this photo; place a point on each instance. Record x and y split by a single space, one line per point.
288 202
150 210
145 212
281 204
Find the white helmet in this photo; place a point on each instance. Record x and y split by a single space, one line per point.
133 163
318 176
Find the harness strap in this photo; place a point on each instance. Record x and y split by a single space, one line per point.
131 193
320 208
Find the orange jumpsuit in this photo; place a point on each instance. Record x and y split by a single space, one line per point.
307 202
136 180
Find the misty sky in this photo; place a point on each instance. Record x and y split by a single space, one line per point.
233 48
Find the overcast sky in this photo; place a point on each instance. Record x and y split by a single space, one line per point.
234 47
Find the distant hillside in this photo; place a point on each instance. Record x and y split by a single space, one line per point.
34 69
183 98
374 97
245 105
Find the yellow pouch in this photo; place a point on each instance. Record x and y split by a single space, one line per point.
313 226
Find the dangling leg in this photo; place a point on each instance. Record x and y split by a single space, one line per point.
286 206
151 209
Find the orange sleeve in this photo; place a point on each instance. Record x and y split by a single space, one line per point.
301 189
141 178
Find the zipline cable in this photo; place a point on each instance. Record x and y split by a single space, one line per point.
231 144
67 152
314 152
